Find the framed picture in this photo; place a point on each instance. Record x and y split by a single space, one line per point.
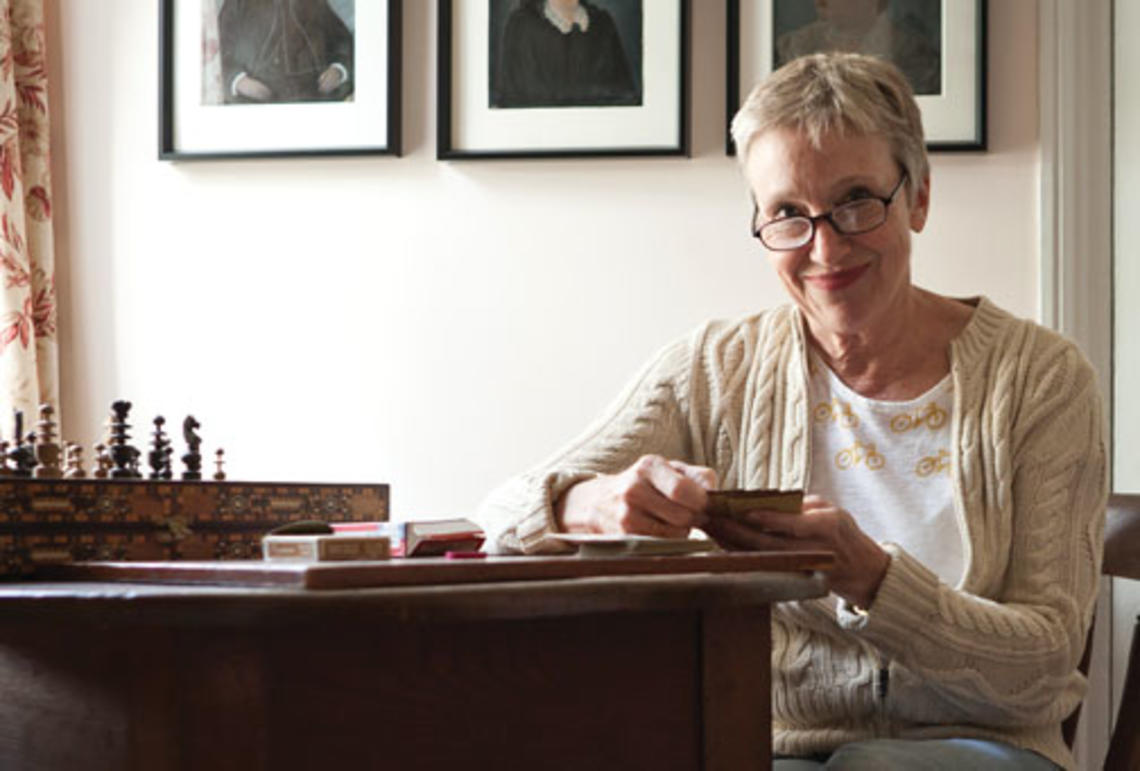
278 78
557 78
940 45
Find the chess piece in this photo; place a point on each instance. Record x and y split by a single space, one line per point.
124 455
159 456
22 451
47 449
193 458
26 455
16 449
219 460
103 462
73 461
5 469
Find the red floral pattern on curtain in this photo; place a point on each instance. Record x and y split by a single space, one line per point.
28 354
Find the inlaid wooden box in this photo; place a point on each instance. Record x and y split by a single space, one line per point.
134 519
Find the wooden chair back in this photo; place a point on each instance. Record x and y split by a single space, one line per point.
1122 559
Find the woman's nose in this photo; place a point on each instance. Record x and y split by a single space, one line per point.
829 245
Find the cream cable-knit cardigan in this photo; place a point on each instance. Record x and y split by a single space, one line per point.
995 657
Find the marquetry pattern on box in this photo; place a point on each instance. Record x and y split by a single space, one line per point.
125 519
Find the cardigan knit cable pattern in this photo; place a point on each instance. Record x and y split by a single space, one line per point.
994 657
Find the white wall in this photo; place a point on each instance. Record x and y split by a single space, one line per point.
1126 359
433 325
1126 354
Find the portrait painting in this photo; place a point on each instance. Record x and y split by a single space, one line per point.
940 46
277 51
565 53
279 78
906 32
562 78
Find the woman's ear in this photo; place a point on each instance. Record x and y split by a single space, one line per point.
920 206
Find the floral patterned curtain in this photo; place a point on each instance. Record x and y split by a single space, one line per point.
29 369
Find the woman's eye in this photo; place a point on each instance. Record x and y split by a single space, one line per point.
785 210
857 194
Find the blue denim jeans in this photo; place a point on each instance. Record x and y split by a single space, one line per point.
923 755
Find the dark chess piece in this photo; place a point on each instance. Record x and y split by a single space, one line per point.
219 462
193 458
11 449
123 455
25 455
21 454
5 469
159 456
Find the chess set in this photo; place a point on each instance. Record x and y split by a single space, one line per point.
52 511
38 454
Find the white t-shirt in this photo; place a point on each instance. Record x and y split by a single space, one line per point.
889 465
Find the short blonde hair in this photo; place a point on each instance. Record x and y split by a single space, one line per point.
841 93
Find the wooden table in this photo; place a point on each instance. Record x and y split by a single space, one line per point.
637 671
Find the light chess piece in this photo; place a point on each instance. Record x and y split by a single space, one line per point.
74 461
219 461
47 449
103 462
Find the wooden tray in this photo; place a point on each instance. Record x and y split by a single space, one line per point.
428 571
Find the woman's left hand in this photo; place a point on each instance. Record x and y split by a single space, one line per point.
860 563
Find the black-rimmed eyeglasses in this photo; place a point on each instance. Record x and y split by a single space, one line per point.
850 219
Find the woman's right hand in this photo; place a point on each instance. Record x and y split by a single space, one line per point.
654 496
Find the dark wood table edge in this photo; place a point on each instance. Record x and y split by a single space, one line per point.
96 603
426 571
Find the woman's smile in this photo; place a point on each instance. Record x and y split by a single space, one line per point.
835 280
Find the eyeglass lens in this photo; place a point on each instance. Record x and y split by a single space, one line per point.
850 219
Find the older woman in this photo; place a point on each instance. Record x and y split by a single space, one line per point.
953 455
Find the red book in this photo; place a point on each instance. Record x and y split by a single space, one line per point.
422 538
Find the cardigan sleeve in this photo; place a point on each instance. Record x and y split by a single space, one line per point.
647 418
1008 656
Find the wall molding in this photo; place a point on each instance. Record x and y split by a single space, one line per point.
1075 109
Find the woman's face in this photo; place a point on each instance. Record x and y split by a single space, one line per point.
843 284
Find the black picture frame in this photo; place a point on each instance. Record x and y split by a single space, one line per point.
464 100
190 130
955 123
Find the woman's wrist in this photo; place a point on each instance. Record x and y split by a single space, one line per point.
572 513
862 600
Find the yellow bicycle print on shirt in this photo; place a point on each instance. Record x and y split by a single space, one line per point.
860 453
836 412
933 417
